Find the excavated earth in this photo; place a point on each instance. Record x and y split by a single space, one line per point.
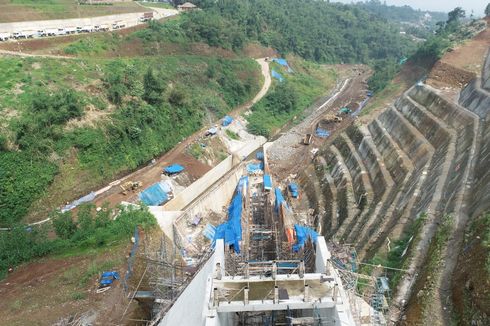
427 157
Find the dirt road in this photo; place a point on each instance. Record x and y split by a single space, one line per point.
288 155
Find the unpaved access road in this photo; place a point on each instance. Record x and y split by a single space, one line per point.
288 155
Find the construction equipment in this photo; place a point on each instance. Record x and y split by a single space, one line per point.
345 110
130 186
307 139
331 118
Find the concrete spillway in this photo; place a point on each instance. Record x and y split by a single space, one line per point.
425 156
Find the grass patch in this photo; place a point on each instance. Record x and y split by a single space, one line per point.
78 295
96 268
155 103
288 99
232 135
397 256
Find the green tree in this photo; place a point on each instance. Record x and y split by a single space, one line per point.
455 15
63 224
153 88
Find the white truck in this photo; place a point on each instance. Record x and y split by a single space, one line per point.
5 36
118 25
70 30
51 32
87 29
104 27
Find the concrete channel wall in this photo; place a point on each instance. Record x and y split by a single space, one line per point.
190 307
486 72
189 194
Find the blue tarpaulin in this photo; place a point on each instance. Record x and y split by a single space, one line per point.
209 231
282 62
227 120
277 75
322 133
155 195
174 168
107 278
267 182
79 201
293 188
231 231
253 167
279 199
302 235
259 156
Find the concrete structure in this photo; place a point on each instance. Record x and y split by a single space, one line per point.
258 285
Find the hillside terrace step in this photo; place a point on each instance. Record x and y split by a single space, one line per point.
395 159
343 182
413 143
329 192
386 202
432 196
435 130
372 197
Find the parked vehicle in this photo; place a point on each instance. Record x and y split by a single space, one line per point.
147 16
61 31
79 29
118 25
104 28
5 36
51 32
70 30
41 33
87 29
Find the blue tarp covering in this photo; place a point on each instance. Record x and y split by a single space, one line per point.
322 133
282 62
277 75
259 156
293 188
267 182
231 231
155 195
107 278
252 167
227 120
302 235
209 231
79 201
279 199
174 168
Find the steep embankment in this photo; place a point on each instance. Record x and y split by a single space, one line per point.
402 184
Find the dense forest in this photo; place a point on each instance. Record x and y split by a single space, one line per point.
402 14
315 30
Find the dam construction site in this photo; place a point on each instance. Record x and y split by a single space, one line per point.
365 226
201 173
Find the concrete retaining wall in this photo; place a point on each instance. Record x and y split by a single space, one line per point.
190 307
189 194
476 99
486 72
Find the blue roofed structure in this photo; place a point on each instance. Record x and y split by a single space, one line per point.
155 195
293 189
267 182
227 120
231 230
173 169
303 233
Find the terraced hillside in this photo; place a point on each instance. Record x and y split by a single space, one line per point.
411 177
